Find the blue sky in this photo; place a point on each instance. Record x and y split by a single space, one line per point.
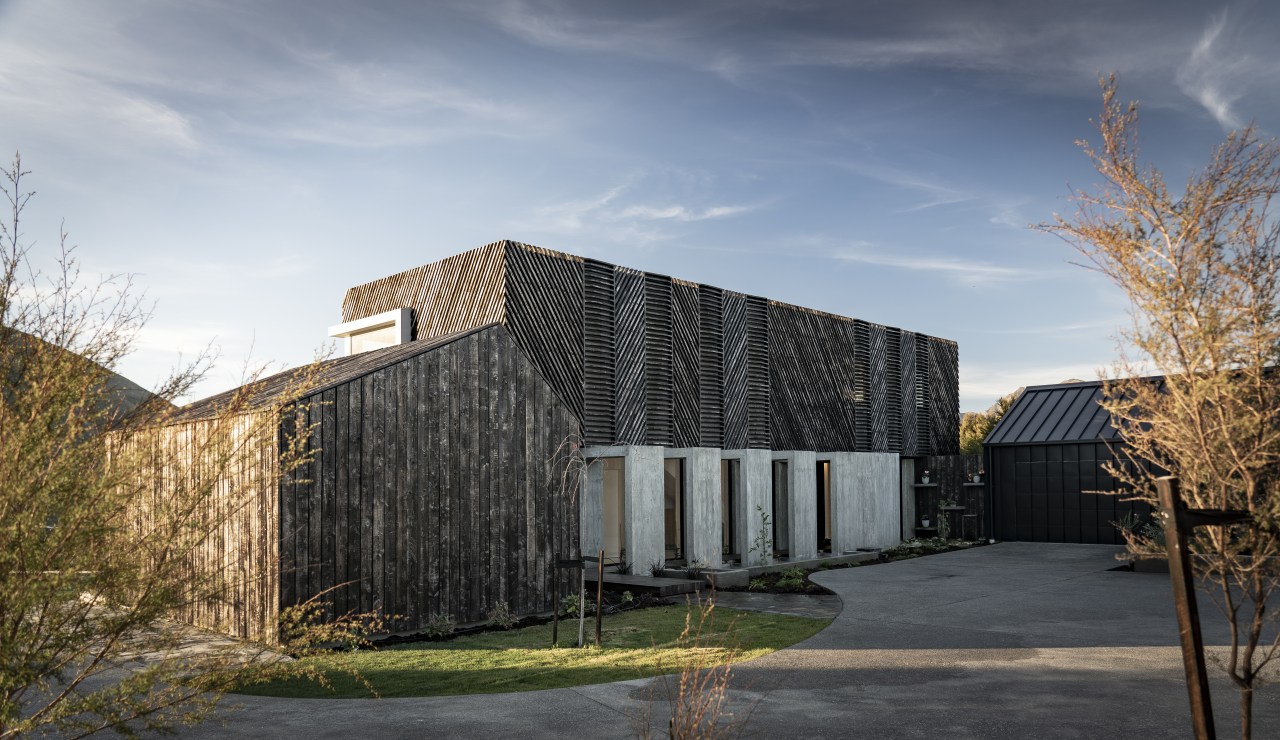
250 161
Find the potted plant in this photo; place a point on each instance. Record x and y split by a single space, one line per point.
924 477
924 522
977 477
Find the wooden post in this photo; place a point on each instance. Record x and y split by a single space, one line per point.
582 603
1184 602
599 595
555 602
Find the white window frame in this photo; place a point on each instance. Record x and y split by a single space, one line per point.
400 318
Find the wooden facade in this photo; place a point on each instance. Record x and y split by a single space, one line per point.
432 489
643 358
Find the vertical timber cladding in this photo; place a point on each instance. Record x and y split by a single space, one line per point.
710 366
924 392
735 371
862 384
598 353
449 503
893 389
944 397
658 393
461 292
629 356
758 396
879 390
544 293
686 390
907 393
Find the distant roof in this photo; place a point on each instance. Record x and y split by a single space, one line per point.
1047 414
327 374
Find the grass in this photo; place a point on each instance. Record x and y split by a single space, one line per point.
639 643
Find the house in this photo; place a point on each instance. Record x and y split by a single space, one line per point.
716 426
1046 467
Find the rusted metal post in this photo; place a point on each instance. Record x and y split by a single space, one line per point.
1184 602
599 596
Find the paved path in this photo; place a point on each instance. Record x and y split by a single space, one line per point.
1007 641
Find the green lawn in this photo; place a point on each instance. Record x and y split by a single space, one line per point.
638 643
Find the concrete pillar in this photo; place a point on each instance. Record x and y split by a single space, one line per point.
591 508
802 503
755 497
865 501
642 503
907 476
701 502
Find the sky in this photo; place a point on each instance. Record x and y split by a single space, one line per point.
247 162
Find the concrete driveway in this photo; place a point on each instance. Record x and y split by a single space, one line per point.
1013 640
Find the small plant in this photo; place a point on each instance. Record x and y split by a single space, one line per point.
657 568
924 477
758 584
628 597
622 567
763 543
569 606
440 625
693 569
500 616
791 578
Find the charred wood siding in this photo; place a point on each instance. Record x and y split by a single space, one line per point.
711 366
878 368
812 372
658 401
736 376
545 314
908 394
629 359
758 394
862 385
432 487
893 389
944 400
685 372
924 395
461 292
598 353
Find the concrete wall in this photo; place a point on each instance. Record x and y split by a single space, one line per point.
754 495
802 503
701 502
591 509
643 503
865 500
907 469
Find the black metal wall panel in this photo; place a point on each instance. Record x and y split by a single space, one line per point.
878 367
736 376
893 389
758 436
685 372
944 397
659 402
710 366
629 356
545 313
598 353
907 383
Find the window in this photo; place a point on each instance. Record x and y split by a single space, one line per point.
375 332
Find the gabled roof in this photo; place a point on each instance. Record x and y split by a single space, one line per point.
328 374
1048 414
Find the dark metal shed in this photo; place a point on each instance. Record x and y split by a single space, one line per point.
1045 467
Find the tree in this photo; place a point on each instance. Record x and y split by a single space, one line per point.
103 521
976 425
1201 269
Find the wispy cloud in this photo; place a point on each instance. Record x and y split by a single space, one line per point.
1081 326
680 213
1213 72
967 270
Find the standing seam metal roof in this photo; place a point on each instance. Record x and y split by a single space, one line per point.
1048 414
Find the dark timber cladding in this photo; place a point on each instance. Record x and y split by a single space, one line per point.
1047 462
431 490
642 358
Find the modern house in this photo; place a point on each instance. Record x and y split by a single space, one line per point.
716 426
1045 463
